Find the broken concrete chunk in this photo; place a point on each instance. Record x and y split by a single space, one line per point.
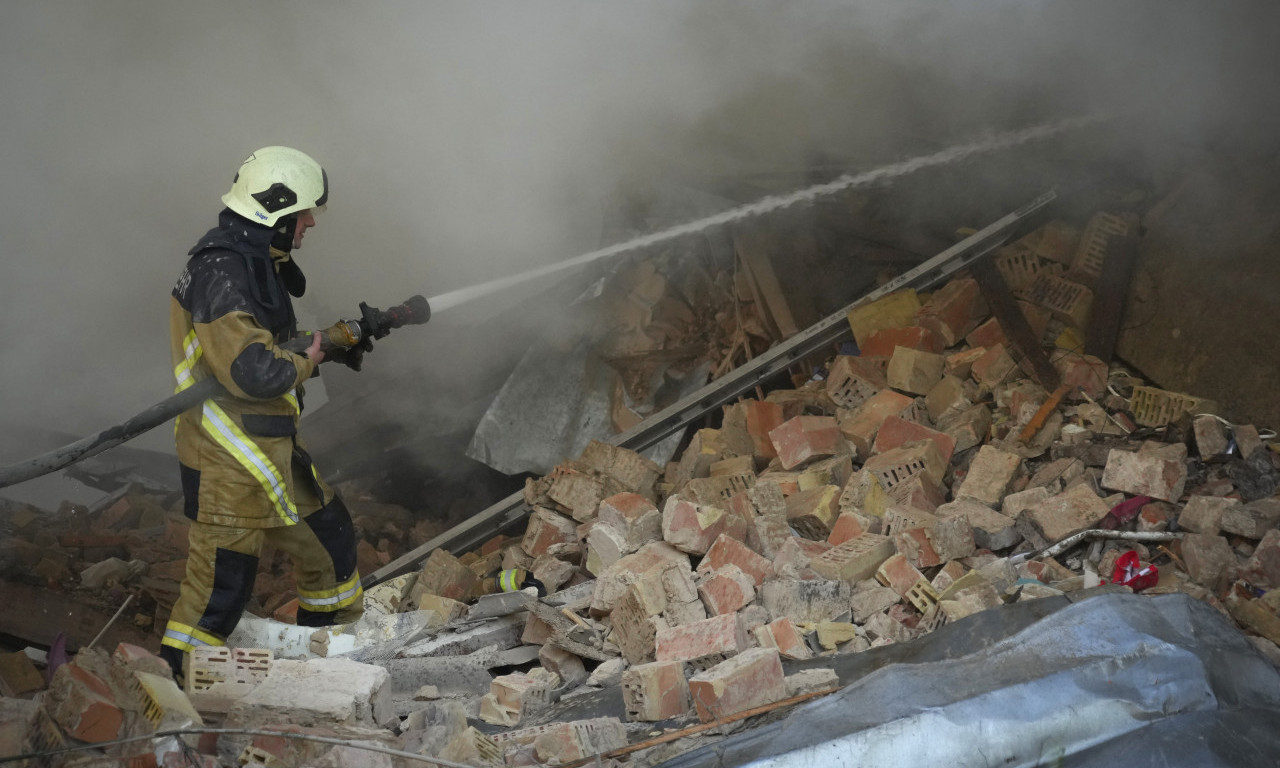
1068 513
317 692
805 600
990 474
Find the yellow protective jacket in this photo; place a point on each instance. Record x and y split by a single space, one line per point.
230 308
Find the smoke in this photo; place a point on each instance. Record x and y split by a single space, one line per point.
466 141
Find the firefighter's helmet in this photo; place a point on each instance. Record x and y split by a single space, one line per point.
275 182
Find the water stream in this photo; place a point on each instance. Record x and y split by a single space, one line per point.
952 154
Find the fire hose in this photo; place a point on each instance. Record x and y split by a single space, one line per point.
342 335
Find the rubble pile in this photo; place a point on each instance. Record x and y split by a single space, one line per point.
134 543
660 317
924 480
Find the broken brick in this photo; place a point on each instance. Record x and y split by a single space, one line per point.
1146 473
635 516
783 635
82 703
805 600
914 371
854 560
655 691
1203 514
896 432
990 473
805 437
708 640
953 310
726 590
1054 519
884 342
861 426
445 576
814 511
730 551
751 679
693 528
1210 561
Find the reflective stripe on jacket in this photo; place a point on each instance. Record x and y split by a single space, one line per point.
228 312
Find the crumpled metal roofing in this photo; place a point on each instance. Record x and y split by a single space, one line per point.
1115 680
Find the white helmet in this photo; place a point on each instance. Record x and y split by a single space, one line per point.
275 182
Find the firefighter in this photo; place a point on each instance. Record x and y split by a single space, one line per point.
247 479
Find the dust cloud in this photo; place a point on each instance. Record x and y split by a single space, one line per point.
467 141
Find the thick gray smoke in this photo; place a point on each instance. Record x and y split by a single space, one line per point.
466 141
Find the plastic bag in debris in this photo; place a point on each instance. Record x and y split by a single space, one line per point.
1118 679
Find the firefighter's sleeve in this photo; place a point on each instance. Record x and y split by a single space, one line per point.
245 359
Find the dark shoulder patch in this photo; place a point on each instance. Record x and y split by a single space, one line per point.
214 283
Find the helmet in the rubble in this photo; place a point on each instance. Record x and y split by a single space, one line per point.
275 183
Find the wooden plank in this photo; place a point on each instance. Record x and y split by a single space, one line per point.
752 251
1110 294
36 616
1014 323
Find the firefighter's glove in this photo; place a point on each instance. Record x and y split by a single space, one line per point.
353 357
529 581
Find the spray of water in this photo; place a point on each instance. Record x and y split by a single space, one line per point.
772 203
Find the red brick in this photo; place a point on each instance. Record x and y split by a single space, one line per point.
953 310
920 492
657 691
783 635
847 526
805 437
860 429
751 679
729 551
851 381
898 465
762 417
896 432
936 541
1084 371
994 367
82 703
989 334
726 590
897 573
560 743
881 343
716 637
548 533
635 516
693 528
445 576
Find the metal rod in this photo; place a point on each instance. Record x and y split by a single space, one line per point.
110 621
